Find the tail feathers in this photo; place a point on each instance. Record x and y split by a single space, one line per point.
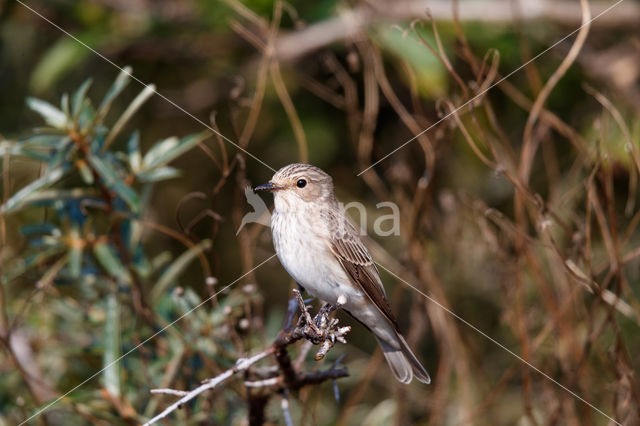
418 370
403 362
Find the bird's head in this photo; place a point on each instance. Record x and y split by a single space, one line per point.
299 183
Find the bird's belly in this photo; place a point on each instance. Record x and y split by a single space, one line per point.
307 258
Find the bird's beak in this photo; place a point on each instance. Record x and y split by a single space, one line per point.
270 187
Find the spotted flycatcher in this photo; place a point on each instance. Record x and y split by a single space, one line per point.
322 250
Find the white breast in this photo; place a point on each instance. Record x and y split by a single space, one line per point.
304 252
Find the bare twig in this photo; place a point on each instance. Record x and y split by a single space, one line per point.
170 392
288 421
241 365
320 330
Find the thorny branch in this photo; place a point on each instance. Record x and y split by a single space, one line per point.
320 330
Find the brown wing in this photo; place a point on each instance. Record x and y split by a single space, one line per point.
354 257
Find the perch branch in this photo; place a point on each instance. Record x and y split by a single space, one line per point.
320 330
241 365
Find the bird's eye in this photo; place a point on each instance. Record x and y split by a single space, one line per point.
301 183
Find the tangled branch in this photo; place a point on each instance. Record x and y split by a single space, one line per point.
280 379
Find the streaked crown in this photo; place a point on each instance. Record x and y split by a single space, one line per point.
308 182
297 171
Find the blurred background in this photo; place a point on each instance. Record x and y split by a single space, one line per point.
518 211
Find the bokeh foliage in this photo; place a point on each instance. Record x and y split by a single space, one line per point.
105 242
82 222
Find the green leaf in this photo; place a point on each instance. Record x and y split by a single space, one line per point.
177 267
24 196
38 147
112 181
59 194
133 147
140 262
431 75
85 172
21 266
64 55
116 88
169 149
78 98
185 303
58 158
139 100
112 347
110 262
44 228
51 274
160 260
64 103
86 117
135 235
159 174
158 150
52 115
46 141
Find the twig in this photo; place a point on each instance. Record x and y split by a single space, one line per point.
320 330
170 392
263 383
241 365
288 421
529 146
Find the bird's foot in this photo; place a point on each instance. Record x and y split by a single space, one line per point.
332 334
305 316
320 329
309 325
322 317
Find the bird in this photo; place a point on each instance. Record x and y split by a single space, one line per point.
322 251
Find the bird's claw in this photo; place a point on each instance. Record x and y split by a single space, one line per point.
322 318
320 329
